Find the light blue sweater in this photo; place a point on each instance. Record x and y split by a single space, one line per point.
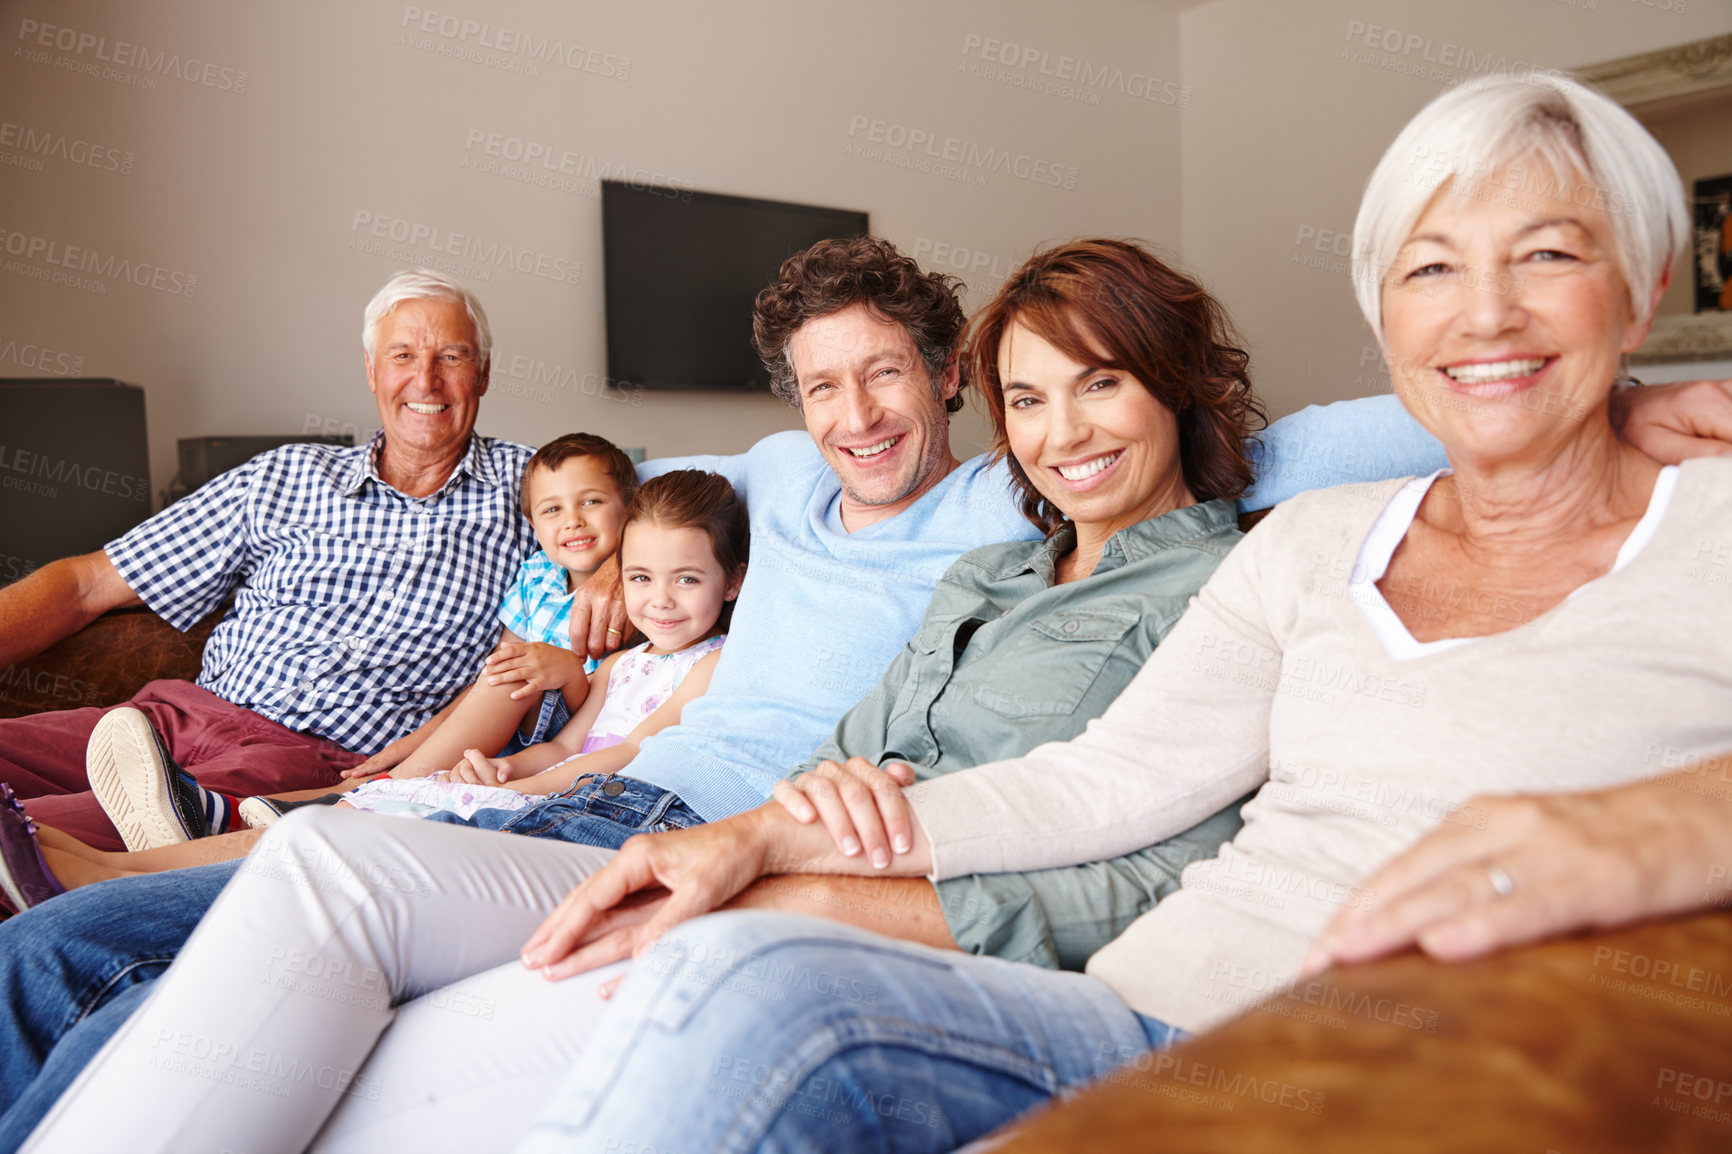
823 612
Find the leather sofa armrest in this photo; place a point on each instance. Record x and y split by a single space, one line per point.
106 662
1614 1042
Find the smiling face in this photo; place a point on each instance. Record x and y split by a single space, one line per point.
426 375
1504 323
873 411
1093 441
674 588
576 512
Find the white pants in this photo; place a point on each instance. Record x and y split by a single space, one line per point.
274 1017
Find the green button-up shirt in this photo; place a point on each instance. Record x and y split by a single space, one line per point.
1006 660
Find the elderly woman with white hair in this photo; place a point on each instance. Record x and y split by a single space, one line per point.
1535 620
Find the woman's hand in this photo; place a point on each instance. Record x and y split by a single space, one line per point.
1537 867
860 804
539 666
618 912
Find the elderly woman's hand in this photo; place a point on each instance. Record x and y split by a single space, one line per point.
860 804
1541 866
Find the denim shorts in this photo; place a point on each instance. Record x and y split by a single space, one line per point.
550 718
595 810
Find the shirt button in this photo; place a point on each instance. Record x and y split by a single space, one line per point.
1070 626
307 686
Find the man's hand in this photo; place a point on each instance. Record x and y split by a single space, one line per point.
538 666
1672 423
861 805
1502 871
384 761
598 621
615 913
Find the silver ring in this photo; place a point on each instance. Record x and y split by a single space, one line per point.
1500 879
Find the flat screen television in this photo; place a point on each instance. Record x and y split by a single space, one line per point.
681 270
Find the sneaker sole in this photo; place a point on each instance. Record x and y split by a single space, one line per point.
129 779
257 814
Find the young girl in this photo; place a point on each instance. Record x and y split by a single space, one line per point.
682 558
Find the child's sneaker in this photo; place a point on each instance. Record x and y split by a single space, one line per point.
25 879
151 800
263 812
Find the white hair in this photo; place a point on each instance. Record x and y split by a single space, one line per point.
423 284
1596 152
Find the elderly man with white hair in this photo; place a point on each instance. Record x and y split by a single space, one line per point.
364 582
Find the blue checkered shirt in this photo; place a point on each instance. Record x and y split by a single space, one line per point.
537 607
358 611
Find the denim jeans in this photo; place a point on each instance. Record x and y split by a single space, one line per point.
771 1032
72 969
598 811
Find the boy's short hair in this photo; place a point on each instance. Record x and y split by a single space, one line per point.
558 451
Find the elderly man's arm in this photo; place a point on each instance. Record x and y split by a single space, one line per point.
57 601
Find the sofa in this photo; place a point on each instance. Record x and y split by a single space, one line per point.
1611 1042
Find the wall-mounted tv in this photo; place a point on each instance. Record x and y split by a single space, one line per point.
681 271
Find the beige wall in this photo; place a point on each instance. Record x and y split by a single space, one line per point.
1292 108
235 159
261 170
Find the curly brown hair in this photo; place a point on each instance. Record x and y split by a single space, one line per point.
834 274
1114 305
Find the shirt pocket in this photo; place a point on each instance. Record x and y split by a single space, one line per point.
933 645
1048 667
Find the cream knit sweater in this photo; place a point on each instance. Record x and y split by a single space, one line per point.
1274 677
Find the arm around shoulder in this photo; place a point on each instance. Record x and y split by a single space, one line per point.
57 601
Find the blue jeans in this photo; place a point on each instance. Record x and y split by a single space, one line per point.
73 969
772 1032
